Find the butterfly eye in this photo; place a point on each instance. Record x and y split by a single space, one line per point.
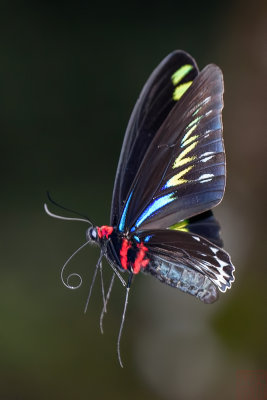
91 235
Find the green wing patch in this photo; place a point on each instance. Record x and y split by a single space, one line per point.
177 77
180 226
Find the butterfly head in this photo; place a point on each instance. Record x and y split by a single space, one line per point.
92 235
97 234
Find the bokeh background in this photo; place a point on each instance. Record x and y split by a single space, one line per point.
70 73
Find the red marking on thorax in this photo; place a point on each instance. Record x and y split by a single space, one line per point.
124 253
104 231
140 262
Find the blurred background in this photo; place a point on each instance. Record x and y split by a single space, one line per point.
70 74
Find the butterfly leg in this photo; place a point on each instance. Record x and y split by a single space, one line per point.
123 316
102 286
104 309
93 280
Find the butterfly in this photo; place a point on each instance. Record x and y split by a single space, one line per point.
171 173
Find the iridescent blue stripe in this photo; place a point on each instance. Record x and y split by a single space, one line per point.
147 238
136 238
155 206
123 217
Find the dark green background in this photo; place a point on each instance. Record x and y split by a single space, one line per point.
70 74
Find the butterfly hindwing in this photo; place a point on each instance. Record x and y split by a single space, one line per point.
204 224
189 262
164 88
183 171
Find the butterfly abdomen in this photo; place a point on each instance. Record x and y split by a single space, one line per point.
185 279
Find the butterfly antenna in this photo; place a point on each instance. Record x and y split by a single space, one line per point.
123 317
104 309
84 217
66 281
93 280
48 212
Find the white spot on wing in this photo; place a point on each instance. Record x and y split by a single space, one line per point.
205 178
206 156
214 250
221 262
206 159
208 153
207 133
196 238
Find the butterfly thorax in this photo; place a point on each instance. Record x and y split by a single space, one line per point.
123 250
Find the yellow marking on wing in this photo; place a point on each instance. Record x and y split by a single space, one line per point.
181 73
185 160
191 139
181 160
178 178
195 121
180 226
180 90
189 133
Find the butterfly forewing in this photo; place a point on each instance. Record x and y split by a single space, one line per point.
163 90
183 171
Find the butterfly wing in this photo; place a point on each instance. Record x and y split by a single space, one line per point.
204 225
189 262
160 94
183 171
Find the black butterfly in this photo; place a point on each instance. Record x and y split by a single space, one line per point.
171 172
